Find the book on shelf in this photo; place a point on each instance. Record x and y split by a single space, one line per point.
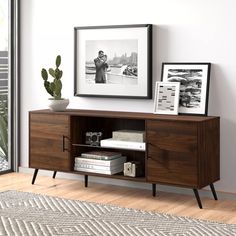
122 144
97 167
107 172
129 135
114 162
101 155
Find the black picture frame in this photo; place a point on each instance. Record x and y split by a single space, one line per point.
194 78
140 87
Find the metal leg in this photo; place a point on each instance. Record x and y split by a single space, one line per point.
213 191
35 175
198 198
86 181
154 190
54 174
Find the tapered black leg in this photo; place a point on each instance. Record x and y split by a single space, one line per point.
54 174
198 198
85 181
213 191
154 190
35 175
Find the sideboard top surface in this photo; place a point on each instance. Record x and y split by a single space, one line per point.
128 115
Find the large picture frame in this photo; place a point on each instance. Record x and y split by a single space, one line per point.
194 81
166 99
113 61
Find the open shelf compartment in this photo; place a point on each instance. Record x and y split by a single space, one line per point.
81 125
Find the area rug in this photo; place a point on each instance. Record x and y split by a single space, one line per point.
33 214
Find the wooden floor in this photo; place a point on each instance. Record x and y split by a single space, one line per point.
175 204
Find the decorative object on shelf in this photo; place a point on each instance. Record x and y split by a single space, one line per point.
132 169
57 103
166 98
93 138
129 135
194 81
113 61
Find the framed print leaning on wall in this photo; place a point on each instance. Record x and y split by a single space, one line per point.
166 98
113 61
194 81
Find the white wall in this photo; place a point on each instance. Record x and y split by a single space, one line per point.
194 31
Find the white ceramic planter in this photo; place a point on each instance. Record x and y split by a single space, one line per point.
58 105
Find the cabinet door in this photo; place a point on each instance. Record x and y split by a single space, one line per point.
172 152
49 136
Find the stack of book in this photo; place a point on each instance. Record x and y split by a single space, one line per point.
128 139
102 162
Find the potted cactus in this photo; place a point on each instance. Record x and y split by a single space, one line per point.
56 103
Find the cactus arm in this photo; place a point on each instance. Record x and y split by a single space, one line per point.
44 74
58 61
52 72
47 87
58 87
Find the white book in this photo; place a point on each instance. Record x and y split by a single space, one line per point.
115 162
122 144
95 167
107 172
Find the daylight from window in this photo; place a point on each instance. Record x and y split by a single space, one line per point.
4 22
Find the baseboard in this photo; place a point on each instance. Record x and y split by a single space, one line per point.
203 192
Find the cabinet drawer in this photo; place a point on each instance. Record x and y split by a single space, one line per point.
172 153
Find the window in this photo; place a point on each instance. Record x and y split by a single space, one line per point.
8 81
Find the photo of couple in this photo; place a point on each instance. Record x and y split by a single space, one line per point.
101 67
116 62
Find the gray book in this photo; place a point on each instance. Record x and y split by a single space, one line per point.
90 161
108 172
129 135
101 155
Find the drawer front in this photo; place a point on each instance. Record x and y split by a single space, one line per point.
49 135
172 152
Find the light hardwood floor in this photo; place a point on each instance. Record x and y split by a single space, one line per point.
175 204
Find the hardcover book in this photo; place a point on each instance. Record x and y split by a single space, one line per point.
101 155
129 135
107 172
98 168
123 144
87 161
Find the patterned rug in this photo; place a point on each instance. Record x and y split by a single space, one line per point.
33 214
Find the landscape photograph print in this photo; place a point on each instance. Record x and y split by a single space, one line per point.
194 85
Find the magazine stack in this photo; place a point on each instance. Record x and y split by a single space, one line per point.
102 162
128 139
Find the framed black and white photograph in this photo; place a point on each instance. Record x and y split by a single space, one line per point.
166 98
194 81
113 61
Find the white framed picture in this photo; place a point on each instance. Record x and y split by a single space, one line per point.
113 61
194 81
166 98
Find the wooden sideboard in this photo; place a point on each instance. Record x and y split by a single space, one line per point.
180 150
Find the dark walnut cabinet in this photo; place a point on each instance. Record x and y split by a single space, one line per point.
180 150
